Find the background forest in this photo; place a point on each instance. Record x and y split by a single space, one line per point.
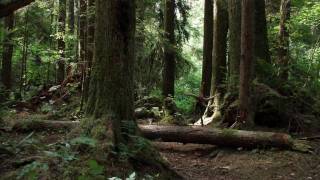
224 64
36 32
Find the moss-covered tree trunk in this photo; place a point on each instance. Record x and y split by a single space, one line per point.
246 63
61 42
234 10
111 86
207 49
7 52
169 49
220 30
283 51
261 32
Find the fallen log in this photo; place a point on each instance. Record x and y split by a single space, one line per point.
222 137
230 137
189 134
42 125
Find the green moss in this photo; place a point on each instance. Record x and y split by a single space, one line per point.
168 120
228 132
98 132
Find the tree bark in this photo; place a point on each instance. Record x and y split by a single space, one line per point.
7 52
111 86
9 6
83 30
82 47
25 49
261 32
90 46
71 16
61 42
207 49
187 134
221 137
220 30
234 11
169 49
246 63
283 51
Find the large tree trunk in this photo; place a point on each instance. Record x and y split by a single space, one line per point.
207 49
111 86
284 57
220 30
7 52
61 42
169 49
9 6
234 10
261 32
246 63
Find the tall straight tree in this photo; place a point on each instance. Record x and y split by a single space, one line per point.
207 49
283 51
82 30
71 16
7 52
82 45
247 60
89 49
234 11
90 31
61 42
261 32
111 86
169 49
220 31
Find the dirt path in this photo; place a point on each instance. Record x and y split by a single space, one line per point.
204 162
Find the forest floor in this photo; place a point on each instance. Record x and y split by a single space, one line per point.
191 161
207 162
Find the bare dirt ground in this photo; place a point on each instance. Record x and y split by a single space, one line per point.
205 162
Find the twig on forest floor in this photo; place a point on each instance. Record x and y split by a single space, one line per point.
310 138
26 138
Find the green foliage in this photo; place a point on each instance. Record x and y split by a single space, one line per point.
188 84
93 171
84 141
63 154
135 147
31 171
